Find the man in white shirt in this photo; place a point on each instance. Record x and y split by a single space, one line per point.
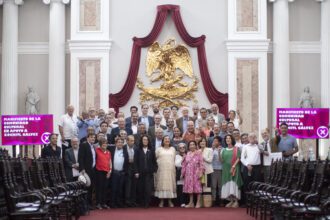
166 116
68 128
120 161
250 158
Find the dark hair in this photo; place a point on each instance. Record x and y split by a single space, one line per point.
218 138
118 139
285 124
179 130
136 108
233 142
189 144
141 141
174 106
202 138
162 144
244 134
232 111
104 122
236 130
230 123
91 134
52 134
203 109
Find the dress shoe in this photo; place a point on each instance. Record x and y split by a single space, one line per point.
98 206
104 206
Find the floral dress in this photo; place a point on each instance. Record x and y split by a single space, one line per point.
192 168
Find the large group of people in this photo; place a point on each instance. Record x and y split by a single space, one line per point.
171 157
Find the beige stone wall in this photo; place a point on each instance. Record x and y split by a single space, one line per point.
248 94
247 15
89 84
90 15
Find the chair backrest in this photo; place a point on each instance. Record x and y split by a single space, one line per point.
319 174
272 171
290 172
3 202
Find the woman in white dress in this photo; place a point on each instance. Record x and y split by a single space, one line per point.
166 174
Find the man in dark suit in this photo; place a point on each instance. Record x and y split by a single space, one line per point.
130 180
120 162
133 124
87 161
116 131
71 161
152 129
141 131
133 109
51 150
182 122
145 118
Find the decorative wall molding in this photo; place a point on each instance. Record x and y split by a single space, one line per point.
26 48
265 45
42 48
89 45
247 45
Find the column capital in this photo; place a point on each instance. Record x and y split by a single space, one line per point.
47 2
273 1
17 2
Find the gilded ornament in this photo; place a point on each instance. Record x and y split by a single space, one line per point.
169 64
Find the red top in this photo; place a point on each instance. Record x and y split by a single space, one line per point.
103 160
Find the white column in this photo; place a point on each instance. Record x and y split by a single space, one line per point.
56 74
281 58
325 66
9 76
9 73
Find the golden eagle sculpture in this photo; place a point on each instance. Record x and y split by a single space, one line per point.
168 63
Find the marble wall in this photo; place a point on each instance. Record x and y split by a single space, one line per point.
247 15
90 15
248 94
89 84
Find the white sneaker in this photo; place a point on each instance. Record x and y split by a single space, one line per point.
183 205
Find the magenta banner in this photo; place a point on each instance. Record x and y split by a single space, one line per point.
305 123
26 129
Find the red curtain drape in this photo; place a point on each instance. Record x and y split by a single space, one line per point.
121 98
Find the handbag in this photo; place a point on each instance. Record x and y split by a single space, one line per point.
207 197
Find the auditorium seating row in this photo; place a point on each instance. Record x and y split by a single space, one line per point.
294 190
37 189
